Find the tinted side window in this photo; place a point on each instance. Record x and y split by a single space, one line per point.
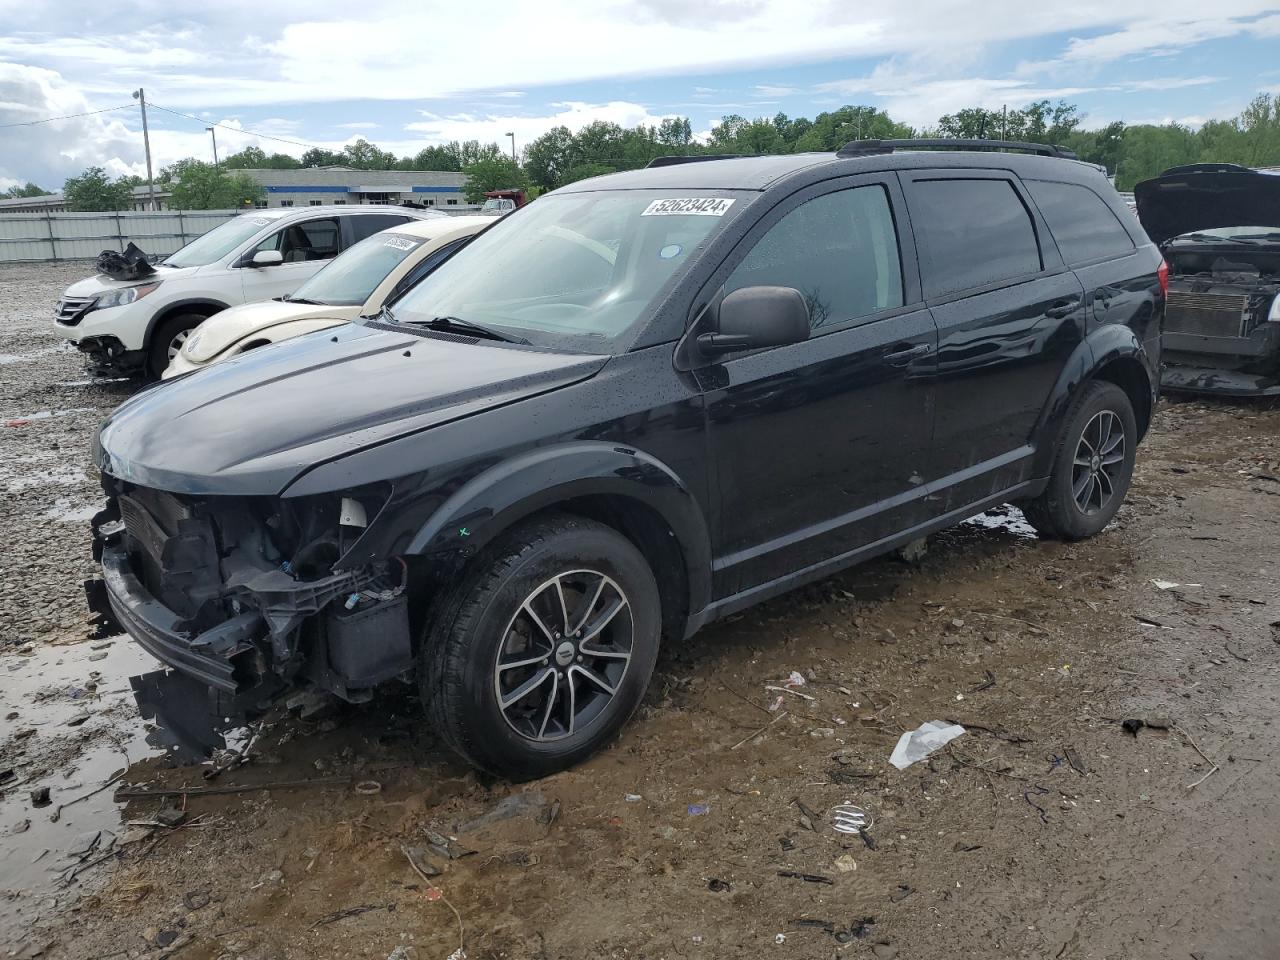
840 250
366 225
1084 226
973 232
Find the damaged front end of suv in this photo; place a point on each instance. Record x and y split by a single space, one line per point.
250 595
1218 226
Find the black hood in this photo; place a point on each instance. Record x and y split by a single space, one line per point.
1203 197
252 425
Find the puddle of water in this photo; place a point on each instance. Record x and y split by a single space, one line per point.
6 358
65 510
57 476
50 414
46 691
1006 519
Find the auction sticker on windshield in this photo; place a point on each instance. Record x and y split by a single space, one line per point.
400 243
697 206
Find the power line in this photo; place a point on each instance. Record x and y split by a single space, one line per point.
70 116
225 126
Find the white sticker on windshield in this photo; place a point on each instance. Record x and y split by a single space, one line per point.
400 243
696 206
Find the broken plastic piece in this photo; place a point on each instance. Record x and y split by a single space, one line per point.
917 744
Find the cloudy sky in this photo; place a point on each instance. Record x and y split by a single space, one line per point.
318 72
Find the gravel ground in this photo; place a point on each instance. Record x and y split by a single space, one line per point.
1046 831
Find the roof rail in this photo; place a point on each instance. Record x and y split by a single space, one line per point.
676 161
859 148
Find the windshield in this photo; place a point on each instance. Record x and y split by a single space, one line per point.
574 271
217 243
352 276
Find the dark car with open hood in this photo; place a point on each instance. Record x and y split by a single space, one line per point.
640 403
1218 226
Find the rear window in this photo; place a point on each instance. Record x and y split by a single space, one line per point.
973 232
367 224
1080 220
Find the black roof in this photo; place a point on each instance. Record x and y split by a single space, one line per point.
759 173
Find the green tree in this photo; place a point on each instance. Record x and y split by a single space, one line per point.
584 170
320 157
363 155
27 190
550 157
253 158
494 170
444 157
202 186
94 190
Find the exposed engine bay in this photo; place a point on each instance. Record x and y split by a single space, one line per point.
1214 293
249 594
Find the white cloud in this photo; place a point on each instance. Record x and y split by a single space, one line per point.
491 128
772 90
1168 83
358 125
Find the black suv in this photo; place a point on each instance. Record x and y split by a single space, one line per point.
642 402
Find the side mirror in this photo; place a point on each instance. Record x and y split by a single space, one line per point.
267 258
755 317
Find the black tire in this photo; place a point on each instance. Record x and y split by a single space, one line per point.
488 615
1085 490
162 340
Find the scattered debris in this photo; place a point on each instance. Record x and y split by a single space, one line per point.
917 744
845 863
901 893
196 899
716 885
986 684
170 816
698 809
848 818
1038 791
1132 725
40 797
884 951
368 787
1073 758
352 912
139 793
806 877
1170 585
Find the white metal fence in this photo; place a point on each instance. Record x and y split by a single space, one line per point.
30 237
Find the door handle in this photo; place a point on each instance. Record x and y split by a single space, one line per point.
1063 308
902 357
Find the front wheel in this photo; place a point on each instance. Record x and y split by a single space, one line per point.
545 650
167 341
1093 459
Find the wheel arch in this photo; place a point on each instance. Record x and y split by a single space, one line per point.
1112 353
204 306
621 487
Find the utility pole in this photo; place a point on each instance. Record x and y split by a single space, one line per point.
213 132
146 143
1004 123
513 149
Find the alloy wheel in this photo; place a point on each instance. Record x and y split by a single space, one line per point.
1097 470
175 345
563 655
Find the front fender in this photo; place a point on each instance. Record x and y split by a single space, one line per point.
539 479
1104 345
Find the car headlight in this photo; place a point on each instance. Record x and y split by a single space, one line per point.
123 295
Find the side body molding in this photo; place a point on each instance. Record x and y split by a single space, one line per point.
504 494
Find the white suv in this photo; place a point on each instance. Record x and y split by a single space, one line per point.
127 327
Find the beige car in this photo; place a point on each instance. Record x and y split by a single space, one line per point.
355 283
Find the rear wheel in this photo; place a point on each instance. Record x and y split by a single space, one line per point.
167 341
544 650
1092 465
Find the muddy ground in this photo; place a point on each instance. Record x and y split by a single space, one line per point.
1046 831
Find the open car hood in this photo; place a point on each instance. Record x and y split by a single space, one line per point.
254 423
1185 201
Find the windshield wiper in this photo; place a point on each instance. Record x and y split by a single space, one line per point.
458 325
314 303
